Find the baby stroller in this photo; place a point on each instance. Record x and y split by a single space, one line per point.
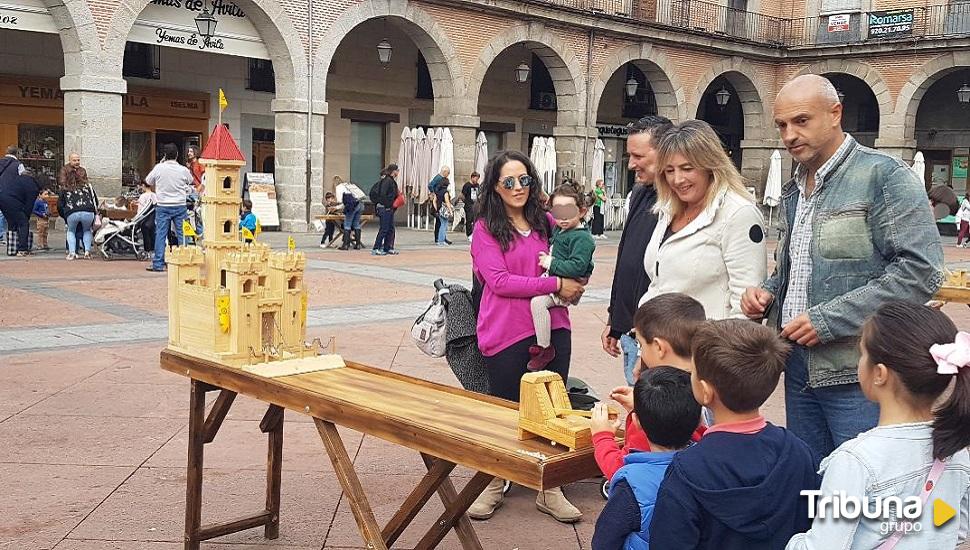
123 239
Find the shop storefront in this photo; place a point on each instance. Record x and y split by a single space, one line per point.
618 179
32 115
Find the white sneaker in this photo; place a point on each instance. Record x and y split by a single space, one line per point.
323 245
71 256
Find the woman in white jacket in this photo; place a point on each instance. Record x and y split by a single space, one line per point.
710 240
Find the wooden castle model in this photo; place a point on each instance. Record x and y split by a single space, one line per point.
544 411
956 288
229 301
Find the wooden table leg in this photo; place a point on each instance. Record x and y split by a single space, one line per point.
454 511
463 527
344 468
193 491
438 471
272 424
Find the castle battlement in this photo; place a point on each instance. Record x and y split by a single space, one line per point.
185 255
232 302
288 261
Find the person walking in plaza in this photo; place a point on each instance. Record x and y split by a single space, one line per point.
173 183
469 193
440 180
10 168
856 232
630 280
510 234
709 242
198 186
352 197
963 222
17 198
383 195
441 202
599 202
78 205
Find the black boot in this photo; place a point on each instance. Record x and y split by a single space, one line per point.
346 243
357 245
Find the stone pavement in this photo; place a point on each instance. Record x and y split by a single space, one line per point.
95 432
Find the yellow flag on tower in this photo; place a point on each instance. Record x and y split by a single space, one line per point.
291 244
223 103
187 229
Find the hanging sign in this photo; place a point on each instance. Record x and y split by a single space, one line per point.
26 15
172 23
891 24
839 22
262 192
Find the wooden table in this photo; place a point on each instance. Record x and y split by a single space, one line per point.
447 426
339 220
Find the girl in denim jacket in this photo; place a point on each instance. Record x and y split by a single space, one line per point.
910 355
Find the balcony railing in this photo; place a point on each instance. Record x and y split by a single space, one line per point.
944 21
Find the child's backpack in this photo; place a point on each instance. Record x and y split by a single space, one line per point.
429 331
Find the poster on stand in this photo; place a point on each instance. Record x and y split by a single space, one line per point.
262 191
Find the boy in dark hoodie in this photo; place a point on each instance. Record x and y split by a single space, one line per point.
739 487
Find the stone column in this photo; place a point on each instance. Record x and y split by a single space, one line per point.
92 127
574 152
291 162
898 147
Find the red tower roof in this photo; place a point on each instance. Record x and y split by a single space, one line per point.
221 146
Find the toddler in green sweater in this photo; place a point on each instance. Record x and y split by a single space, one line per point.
571 257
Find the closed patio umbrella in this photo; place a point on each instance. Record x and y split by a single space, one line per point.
919 167
599 158
773 184
448 158
481 153
549 165
405 157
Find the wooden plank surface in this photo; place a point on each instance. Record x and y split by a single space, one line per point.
466 428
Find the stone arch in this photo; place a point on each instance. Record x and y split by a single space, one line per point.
910 95
271 21
422 28
747 84
78 33
864 72
555 53
667 89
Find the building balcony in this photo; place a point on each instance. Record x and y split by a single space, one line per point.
698 16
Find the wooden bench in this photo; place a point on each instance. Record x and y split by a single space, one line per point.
339 220
447 426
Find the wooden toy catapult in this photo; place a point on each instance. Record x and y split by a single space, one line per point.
545 411
956 288
237 303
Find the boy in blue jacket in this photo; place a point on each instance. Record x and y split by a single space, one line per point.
739 487
664 406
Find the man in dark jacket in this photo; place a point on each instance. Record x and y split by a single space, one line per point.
10 168
630 281
469 193
383 195
17 202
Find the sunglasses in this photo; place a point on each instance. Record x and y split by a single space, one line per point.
524 180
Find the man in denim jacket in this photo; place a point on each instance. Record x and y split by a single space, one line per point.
857 232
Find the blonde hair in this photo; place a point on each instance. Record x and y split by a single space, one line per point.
699 144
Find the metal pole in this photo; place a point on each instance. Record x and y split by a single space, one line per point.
309 115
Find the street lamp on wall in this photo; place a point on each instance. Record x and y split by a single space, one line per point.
206 23
963 94
722 97
841 95
631 87
384 51
522 73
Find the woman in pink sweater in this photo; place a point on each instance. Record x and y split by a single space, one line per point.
511 232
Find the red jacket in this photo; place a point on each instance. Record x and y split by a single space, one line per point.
609 455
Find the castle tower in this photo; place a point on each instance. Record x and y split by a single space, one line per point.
223 162
184 268
286 280
244 273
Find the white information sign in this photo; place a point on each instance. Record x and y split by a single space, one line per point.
168 23
262 192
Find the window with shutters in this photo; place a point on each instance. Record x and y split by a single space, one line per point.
839 6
